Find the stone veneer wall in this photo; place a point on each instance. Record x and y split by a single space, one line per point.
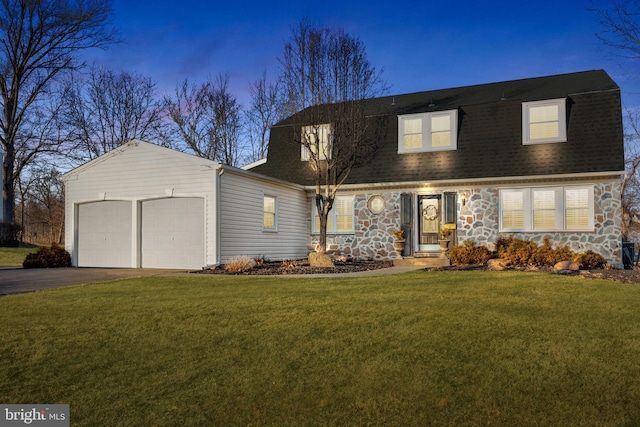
478 220
373 237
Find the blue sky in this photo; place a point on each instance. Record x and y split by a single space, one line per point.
420 45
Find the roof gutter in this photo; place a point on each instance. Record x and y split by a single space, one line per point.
481 182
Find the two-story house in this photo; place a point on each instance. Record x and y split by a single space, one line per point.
535 158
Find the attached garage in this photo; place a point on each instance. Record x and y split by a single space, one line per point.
172 233
142 205
104 234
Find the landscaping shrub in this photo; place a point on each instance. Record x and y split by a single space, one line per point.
289 263
239 263
260 260
547 255
525 252
9 235
590 259
502 244
52 257
519 251
469 253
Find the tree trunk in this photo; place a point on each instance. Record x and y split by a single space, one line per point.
8 193
321 259
323 214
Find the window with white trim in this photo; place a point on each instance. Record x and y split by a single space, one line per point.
544 121
512 202
547 209
316 138
437 131
340 219
269 220
578 201
545 212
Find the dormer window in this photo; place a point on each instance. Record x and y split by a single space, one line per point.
316 138
437 131
544 121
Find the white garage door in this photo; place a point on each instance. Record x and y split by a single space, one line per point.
104 234
173 233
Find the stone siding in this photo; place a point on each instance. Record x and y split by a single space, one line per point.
478 220
373 237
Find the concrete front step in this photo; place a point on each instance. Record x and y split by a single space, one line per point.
433 261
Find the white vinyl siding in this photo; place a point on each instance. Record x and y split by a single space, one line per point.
316 138
269 222
340 218
241 223
547 209
544 121
135 172
436 131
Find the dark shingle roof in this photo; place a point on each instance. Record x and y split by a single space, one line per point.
489 134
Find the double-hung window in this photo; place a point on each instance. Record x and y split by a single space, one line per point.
316 139
513 209
269 219
436 131
340 219
578 201
547 209
544 121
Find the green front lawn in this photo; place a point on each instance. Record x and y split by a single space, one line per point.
13 257
423 348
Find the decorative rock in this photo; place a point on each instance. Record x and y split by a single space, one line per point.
498 264
318 259
567 265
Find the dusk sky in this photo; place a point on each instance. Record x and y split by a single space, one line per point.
420 45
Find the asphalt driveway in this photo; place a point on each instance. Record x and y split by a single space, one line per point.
19 280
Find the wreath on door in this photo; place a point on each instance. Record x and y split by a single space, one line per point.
430 213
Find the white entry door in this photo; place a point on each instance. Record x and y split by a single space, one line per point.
173 233
104 234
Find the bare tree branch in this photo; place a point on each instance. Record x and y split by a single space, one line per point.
208 119
39 40
326 79
109 109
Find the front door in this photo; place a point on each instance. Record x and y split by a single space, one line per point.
429 222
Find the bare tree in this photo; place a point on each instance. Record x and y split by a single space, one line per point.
327 77
619 22
227 122
108 109
189 111
207 118
266 109
630 188
39 40
619 31
41 205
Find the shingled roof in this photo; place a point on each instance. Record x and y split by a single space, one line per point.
489 134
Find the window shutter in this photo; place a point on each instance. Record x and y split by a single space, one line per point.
406 217
450 208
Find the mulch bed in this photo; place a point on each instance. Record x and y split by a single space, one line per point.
303 267
624 276
350 266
